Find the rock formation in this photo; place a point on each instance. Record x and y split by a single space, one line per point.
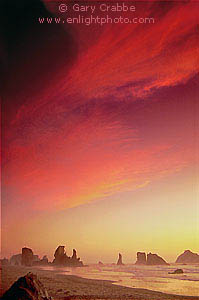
74 256
75 261
151 259
15 260
44 260
154 259
188 257
100 263
36 258
119 262
28 287
60 256
41 262
4 261
141 258
62 259
177 271
27 257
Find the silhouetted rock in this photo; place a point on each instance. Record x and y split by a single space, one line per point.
119 262
60 256
41 262
4 262
36 258
27 288
44 260
15 260
188 257
74 256
177 271
27 257
62 259
75 261
154 259
141 258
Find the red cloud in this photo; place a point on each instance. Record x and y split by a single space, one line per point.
127 61
60 153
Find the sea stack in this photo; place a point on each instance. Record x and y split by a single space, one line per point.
75 261
63 260
119 262
41 262
60 256
44 260
15 260
141 258
4 262
74 256
188 257
154 259
27 257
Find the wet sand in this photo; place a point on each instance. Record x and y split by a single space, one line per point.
62 286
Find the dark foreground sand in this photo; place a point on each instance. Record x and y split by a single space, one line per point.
61 286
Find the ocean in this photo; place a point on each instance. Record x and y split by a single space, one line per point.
154 278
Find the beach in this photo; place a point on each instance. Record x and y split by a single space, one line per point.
62 286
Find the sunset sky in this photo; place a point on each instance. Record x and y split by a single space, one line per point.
100 134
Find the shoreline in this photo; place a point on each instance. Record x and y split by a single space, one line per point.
62 286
